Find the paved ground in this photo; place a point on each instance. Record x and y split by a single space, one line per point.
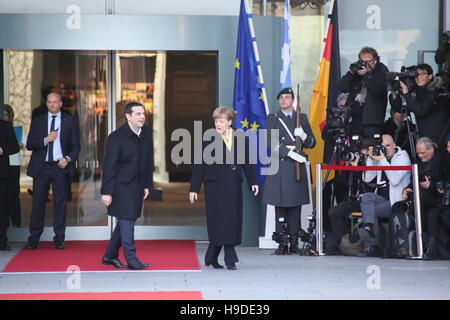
262 276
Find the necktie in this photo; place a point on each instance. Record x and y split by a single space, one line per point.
289 117
50 144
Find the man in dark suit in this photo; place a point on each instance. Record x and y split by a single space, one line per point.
127 180
55 144
8 146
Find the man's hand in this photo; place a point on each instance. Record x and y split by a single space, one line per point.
299 132
406 192
106 199
297 157
404 87
362 72
51 137
62 163
146 193
425 184
193 196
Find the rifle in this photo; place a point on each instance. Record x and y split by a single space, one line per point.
298 140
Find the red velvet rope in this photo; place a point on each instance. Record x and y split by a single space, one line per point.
365 168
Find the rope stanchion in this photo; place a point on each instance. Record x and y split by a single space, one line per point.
416 193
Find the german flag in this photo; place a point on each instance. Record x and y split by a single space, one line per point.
325 89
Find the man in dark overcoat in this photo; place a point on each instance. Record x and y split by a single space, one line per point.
282 190
55 143
8 146
126 182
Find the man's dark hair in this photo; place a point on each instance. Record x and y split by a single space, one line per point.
367 142
369 50
426 67
129 107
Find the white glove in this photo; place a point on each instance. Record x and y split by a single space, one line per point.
297 157
298 132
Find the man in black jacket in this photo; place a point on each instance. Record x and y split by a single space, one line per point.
8 146
55 144
127 180
366 84
431 112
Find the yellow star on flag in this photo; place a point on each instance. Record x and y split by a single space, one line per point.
237 65
244 123
254 126
261 96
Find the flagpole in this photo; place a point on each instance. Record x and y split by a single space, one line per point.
256 53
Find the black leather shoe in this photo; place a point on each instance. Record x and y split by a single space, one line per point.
114 262
137 265
4 247
31 246
215 265
231 266
59 245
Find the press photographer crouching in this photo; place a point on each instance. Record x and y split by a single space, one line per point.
365 82
389 187
418 92
338 214
434 202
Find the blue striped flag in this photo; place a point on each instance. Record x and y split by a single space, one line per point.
285 69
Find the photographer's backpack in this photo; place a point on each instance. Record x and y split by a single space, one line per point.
402 234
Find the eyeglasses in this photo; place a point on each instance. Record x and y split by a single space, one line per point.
368 61
422 73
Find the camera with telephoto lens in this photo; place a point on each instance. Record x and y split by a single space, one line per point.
282 237
404 206
446 196
356 66
353 151
378 149
407 75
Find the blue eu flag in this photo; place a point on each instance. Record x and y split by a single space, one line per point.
248 97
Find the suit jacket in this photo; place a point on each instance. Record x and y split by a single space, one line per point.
127 170
9 145
70 142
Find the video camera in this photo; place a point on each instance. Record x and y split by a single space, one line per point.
340 117
407 75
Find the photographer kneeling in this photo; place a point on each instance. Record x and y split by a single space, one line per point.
390 184
430 173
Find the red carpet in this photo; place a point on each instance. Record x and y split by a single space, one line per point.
160 295
87 255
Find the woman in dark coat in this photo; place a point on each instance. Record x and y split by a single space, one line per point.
223 191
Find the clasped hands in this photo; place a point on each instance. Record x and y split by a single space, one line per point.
193 196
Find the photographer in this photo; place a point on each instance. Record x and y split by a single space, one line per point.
430 173
338 214
366 83
431 113
390 184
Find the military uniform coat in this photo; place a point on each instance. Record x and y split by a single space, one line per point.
128 169
282 189
223 196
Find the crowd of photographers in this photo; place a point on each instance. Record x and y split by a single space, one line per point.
418 131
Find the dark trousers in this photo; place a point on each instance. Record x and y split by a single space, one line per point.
291 215
338 218
13 195
52 175
4 221
122 236
369 130
213 251
434 218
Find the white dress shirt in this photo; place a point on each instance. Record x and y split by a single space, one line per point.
57 150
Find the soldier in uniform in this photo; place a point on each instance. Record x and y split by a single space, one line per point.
282 190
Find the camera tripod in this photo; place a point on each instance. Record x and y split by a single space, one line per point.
412 133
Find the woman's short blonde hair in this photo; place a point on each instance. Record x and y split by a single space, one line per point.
227 111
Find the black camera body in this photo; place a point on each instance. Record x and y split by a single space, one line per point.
353 151
378 149
356 66
404 206
407 75
446 196
340 116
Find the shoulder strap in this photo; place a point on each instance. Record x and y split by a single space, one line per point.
287 129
